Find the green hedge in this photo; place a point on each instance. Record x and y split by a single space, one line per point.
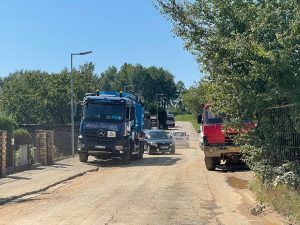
7 123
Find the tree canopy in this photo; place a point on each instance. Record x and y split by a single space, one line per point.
250 52
37 97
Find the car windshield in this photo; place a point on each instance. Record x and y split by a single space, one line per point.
157 135
104 111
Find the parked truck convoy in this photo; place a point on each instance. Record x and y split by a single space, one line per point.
111 126
216 143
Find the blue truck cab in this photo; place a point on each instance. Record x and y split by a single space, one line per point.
112 125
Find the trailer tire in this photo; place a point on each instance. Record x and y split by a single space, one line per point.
210 163
83 157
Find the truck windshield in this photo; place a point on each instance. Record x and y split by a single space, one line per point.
104 111
212 119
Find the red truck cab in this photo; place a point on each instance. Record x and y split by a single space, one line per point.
211 129
214 141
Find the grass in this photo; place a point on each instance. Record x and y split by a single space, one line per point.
188 117
281 198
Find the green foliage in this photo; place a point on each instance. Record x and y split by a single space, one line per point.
7 123
141 81
197 95
250 52
22 137
281 198
189 118
35 97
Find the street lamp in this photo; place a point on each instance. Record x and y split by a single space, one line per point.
157 109
72 97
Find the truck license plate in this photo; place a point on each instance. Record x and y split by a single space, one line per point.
111 134
164 147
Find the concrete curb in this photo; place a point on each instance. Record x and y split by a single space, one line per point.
12 198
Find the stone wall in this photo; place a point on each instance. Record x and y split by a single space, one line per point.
3 136
44 147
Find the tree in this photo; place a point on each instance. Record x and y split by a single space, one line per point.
35 97
250 50
141 81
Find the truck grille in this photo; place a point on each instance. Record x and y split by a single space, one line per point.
91 136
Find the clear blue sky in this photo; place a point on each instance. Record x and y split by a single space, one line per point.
41 34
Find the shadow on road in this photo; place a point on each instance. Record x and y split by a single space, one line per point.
61 165
239 167
153 161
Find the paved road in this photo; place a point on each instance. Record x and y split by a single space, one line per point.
160 189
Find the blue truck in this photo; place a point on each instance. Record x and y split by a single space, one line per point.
111 126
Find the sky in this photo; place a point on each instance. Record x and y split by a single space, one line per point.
42 34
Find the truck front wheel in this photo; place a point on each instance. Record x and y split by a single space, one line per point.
127 154
141 150
83 157
210 163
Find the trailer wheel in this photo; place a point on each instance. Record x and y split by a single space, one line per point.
210 163
83 157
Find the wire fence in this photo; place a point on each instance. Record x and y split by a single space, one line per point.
281 129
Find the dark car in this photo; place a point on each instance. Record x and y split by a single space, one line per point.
158 141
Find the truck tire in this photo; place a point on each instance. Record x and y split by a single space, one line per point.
141 150
126 157
83 157
210 163
204 142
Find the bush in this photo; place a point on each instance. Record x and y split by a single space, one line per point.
7 123
22 137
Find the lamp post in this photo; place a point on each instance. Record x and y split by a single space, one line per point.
157 109
72 97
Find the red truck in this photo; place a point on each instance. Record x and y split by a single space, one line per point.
217 144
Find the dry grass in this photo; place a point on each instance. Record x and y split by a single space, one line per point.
281 198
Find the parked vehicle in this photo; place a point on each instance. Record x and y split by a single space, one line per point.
111 126
216 143
170 120
158 141
180 138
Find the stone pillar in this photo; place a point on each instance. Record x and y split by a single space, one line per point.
3 135
41 146
50 147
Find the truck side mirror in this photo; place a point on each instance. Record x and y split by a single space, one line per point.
199 118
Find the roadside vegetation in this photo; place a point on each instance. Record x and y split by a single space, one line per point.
249 52
281 198
188 117
38 97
